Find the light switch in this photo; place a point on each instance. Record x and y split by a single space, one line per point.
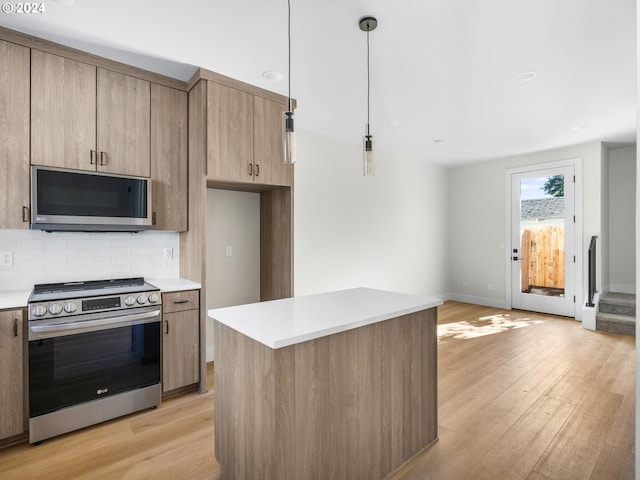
229 251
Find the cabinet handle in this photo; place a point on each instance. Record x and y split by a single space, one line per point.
250 169
153 218
103 158
166 332
257 170
180 301
93 160
25 214
15 327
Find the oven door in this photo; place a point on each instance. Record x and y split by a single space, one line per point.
73 361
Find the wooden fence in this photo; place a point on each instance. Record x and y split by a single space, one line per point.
542 250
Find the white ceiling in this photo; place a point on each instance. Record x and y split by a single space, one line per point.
442 69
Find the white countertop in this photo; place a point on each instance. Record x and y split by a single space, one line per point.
280 323
173 284
19 298
14 299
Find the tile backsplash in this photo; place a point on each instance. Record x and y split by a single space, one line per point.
42 257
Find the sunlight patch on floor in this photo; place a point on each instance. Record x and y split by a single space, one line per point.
483 326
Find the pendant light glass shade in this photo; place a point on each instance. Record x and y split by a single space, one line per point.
289 139
368 24
368 163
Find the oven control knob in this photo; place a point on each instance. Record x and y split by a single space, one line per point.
70 307
142 299
38 311
129 301
55 309
153 298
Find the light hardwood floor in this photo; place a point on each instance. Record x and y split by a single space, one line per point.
521 396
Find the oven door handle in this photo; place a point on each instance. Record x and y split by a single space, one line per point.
71 328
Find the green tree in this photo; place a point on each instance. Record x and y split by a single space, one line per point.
554 186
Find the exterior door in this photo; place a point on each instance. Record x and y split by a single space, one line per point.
542 241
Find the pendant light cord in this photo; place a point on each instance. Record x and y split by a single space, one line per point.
289 41
368 81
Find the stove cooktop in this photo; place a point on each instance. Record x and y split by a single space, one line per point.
91 288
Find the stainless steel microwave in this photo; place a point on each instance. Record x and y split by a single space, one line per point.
76 200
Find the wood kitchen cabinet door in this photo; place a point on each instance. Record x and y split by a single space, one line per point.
169 158
123 124
14 132
63 112
268 143
11 374
229 133
180 349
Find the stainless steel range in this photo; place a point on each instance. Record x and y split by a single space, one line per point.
94 353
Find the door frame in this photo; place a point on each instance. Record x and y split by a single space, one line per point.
578 280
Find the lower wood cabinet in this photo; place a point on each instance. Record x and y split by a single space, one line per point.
11 374
180 339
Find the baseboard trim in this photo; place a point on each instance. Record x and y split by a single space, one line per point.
484 301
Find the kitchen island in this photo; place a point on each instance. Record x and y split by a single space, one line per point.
340 385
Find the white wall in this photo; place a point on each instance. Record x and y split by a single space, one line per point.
622 214
387 231
477 225
603 246
41 257
233 220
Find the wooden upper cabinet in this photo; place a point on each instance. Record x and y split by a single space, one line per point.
88 118
230 133
14 132
245 134
268 143
63 112
11 374
169 158
124 124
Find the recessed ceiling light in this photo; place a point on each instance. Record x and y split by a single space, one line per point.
577 128
438 140
68 3
468 150
273 76
525 77
393 123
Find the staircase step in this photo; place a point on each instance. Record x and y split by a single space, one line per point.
618 303
612 322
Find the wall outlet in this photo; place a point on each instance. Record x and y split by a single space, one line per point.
464 284
490 287
168 253
6 259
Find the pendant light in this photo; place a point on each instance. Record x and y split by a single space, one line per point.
289 133
368 24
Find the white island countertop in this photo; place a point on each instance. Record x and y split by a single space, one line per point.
285 322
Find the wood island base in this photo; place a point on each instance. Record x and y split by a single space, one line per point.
357 404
